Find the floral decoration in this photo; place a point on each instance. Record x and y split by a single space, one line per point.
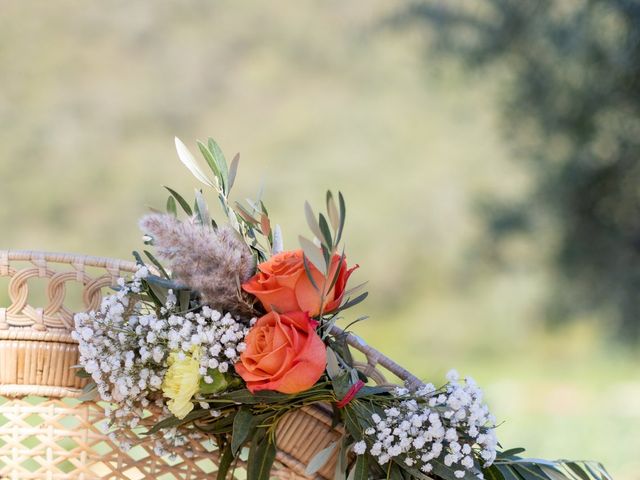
225 332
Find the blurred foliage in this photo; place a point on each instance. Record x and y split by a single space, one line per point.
315 95
571 109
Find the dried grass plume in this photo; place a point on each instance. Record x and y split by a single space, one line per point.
212 262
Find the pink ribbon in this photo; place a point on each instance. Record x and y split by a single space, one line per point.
350 394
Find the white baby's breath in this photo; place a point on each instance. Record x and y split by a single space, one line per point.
125 347
451 424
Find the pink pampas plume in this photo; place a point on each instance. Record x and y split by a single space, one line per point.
214 262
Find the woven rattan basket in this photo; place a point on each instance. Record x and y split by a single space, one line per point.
46 433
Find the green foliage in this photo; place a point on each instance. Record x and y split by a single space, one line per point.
571 111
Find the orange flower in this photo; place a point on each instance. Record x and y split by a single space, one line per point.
284 353
282 284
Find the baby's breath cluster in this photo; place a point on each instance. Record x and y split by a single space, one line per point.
450 425
126 346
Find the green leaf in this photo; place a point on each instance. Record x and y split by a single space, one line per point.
162 282
215 149
332 211
530 472
220 382
159 292
326 233
350 303
184 297
218 425
202 210
157 264
171 206
244 396
242 427
307 270
190 162
225 462
261 456
552 473
492 473
579 472
311 220
351 422
511 452
82 373
183 203
333 365
508 473
313 253
361 469
341 462
173 421
343 215
89 392
320 459
213 165
233 171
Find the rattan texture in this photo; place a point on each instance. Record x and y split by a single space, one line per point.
45 433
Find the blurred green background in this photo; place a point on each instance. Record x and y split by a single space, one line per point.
488 153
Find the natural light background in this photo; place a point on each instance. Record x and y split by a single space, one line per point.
314 95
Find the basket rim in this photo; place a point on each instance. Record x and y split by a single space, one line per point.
374 357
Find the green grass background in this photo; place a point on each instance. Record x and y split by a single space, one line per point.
313 95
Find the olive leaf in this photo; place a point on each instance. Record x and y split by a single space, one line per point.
190 162
313 253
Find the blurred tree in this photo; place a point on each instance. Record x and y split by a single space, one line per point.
570 73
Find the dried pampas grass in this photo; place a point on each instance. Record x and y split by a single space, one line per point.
214 262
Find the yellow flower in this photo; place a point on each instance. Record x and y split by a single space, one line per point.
181 383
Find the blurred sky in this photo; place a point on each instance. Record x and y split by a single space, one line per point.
313 95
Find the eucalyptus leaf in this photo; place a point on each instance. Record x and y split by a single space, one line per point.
261 456
242 427
320 459
361 469
225 462
341 461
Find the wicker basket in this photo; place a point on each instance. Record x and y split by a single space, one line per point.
46 433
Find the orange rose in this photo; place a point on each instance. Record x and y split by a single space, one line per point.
284 353
282 284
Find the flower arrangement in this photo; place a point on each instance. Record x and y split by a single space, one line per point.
225 332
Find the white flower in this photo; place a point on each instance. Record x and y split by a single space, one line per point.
359 448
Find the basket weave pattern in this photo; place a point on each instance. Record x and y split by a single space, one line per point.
46 434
